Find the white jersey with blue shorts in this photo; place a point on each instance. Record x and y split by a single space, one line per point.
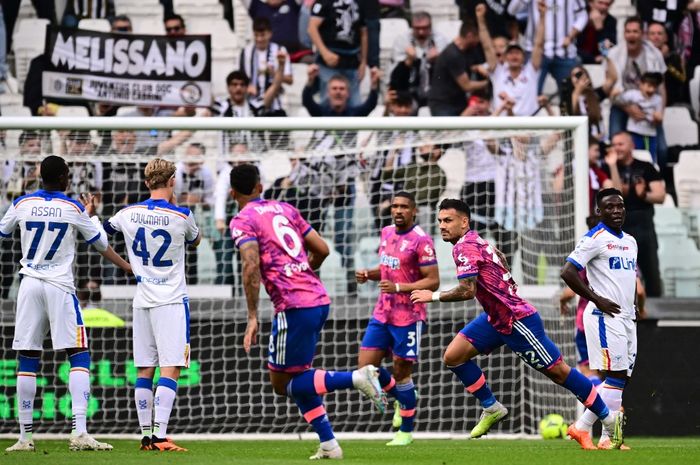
610 260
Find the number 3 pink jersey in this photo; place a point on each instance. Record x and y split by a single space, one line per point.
401 256
279 230
496 290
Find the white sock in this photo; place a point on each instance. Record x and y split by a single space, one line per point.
163 401
611 396
586 421
330 445
144 409
79 387
26 392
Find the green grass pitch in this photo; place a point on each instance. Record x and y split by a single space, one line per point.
657 451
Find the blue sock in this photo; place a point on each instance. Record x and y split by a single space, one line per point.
315 382
406 395
595 380
387 382
584 390
314 413
474 382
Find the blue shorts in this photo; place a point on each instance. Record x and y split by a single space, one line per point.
528 340
295 333
581 347
402 341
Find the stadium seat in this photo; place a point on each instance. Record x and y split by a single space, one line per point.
695 93
99 25
243 25
679 262
424 111
69 110
449 29
440 10
686 179
137 9
597 74
28 42
643 155
16 110
144 25
679 127
121 111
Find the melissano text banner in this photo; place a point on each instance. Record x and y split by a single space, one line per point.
128 69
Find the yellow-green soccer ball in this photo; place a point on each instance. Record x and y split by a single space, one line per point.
553 426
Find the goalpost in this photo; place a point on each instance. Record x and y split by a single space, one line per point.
525 178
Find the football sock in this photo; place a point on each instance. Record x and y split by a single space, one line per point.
313 411
584 390
595 379
407 405
611 393
26 392
316 382
79 387
143 395
163 402
474 382
387 382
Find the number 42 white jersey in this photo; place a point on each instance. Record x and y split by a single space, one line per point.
156 233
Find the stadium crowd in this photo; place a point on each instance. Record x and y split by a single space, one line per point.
497 64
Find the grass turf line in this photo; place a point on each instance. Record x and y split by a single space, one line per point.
657 451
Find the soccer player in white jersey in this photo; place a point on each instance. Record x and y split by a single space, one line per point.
407 262
48 220
156 233
610 258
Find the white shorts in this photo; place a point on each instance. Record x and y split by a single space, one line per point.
611 342
42 306
162 336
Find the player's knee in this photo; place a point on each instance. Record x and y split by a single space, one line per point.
452 358
27 363
279 388
559 372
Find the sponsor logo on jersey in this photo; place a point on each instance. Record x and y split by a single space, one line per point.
429 250
291 268
464 261
392 262
150 280
612 246
622 263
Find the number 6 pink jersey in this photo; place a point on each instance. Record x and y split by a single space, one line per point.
279 230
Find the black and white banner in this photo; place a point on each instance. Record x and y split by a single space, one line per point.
129 69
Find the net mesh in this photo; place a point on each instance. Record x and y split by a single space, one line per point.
519 186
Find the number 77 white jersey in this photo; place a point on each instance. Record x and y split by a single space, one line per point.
156 233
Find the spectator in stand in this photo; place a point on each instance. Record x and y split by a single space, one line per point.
121 24
586 100
500 45
631 60
261 61
392 8
370 10
564 20
338 31
194 189
163 141
338 100
414 55
450 83
667 12
689 40
17 179
514 81
498 20
597 178
283 17
86 9
642 187
675 79
600 33
174 25
646 97
45 9
400 154
3 54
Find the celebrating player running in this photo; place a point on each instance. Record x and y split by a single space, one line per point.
273 238
610 258
407 262
48 220
507 319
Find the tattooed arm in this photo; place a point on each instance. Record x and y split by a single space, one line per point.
250 256
465 290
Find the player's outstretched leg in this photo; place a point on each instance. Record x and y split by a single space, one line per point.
163 402
26 391
79 387
405 405
143 397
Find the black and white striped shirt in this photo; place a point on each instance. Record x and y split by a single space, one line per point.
562 16
96 9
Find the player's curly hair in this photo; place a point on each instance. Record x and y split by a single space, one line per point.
158 172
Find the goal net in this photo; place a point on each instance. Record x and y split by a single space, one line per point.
517 175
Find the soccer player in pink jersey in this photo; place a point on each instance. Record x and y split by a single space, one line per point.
407 262
273 239
507 319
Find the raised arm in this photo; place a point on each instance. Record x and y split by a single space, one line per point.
538 46
465 290
485 37
250 256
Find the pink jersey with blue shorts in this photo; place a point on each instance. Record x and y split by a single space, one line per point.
279 230
496 290
401 256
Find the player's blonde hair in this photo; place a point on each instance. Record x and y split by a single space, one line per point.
158 172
